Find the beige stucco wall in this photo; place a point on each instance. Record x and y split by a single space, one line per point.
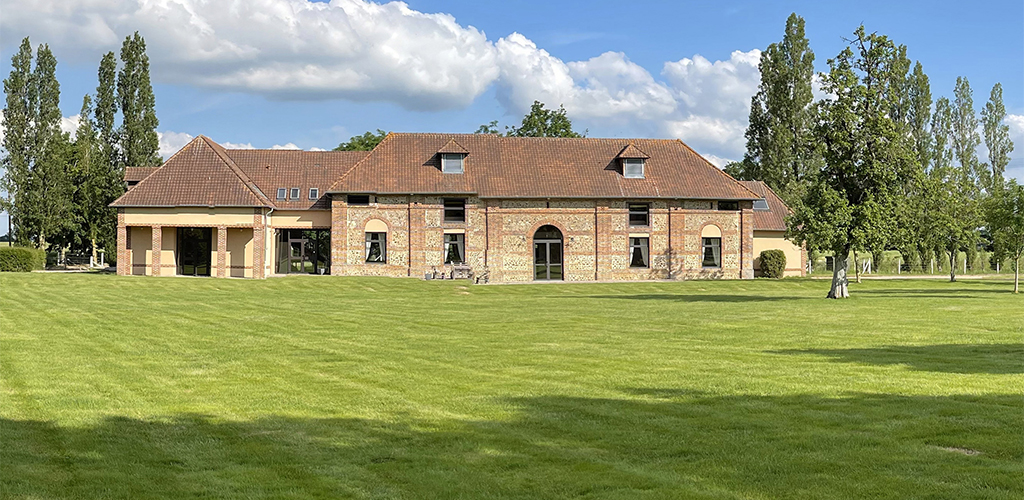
168 245
304 219
239 254
141 250
768 240
188 216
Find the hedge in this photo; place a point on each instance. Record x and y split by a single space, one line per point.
773 263
21 259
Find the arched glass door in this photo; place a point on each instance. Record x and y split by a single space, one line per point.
547 254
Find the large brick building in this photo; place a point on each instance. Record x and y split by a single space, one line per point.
513 209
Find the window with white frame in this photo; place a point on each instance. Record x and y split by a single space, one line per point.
452 163
376 247
314 193
282 193
454 248
295 194
712 252
639 252
633 168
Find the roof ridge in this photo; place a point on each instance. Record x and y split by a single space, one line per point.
387 138
143 181
246 181
720 171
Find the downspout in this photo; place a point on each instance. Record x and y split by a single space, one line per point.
670 249
266 247
408 233
487 233
596 233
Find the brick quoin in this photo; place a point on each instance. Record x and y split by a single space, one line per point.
157 232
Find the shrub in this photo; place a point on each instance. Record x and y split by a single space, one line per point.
21 259
773 263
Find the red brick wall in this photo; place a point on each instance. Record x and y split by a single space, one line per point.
499 237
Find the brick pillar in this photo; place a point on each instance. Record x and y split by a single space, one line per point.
747 241
222 251
158 243
259 260
339 234
124 246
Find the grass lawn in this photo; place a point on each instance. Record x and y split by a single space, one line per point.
314 387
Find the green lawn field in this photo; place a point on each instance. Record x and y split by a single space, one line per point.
323 387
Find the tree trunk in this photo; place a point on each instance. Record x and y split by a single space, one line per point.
1016 275
92 242
952 266
856 266
840 284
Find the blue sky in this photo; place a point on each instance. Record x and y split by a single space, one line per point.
266 73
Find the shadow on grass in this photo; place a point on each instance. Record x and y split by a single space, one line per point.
949 358
666 444
690 297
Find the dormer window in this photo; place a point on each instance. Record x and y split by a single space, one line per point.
633 168
452 163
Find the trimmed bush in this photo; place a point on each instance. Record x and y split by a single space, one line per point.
21 259
773 263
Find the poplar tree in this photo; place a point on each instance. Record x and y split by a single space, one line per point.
953 214
916 116
997 135
852 200
18 117
138 142
49 203
106 110
98 187
780 148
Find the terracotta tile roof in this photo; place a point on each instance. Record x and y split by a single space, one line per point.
453 147
532 167
631 151
205 174
136 174
773 219
272 169
200 174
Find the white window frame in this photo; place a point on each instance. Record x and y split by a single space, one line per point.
314 193
382 239
459 240
643 244
295 194
448 159
282 194
705 244
629 164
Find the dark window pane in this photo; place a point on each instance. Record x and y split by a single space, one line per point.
376 247
295 193
761 204
712 252
314 193
455 210
358 199
555 253
282 193
639 214
728 205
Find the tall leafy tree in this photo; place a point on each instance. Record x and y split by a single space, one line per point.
105 110
851 204
997 135
49 203
543 122
138 142
952 202
917 118
18 119
965 138
1004 216
365 142
780 149
99 184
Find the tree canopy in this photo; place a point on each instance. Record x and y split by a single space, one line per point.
538 122
365 142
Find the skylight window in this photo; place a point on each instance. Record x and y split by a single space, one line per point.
452 163
282 193
761 204
633 168
295 194
314 193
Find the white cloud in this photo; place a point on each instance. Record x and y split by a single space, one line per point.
351 49
236 145
171 142
360 50
1016 167
69 124
290 145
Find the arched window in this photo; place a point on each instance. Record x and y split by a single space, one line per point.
547 253
711 246
376 241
